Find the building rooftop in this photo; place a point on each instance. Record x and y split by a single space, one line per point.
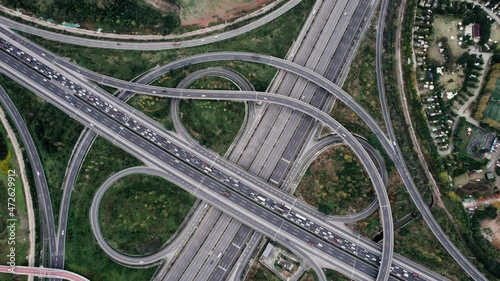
268 250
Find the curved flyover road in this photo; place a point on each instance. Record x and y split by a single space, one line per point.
149 46
112 253
241 83
391 148
42 272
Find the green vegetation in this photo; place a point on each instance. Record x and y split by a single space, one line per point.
123 16
309 275
257 74
214 124
469 147
336 183
154 107
258 272
19 211
83 254
361 84
140 213
333 275
488 107
416 242
480 247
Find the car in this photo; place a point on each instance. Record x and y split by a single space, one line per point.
227 194
414 274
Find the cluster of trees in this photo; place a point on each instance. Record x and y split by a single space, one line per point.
447 54
414 105
480 247
472 65
489 88
123 15
3 148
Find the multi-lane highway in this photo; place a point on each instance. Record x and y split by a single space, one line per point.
380 77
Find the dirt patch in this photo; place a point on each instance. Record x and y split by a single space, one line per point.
451 80
472 189
164 6
204 12
494 226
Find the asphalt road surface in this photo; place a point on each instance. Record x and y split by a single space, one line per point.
42 188
75 115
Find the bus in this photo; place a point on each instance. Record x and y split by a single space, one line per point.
300 217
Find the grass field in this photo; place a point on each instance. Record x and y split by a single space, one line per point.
214 124
361 84
332 275
337 180
83 255
493 108
140 213
156 108
309 275
19 210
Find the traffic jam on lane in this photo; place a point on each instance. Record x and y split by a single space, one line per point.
75 91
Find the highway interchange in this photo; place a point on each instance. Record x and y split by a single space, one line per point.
94 113
13 63
252 96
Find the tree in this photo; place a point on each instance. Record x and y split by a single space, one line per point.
326 208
